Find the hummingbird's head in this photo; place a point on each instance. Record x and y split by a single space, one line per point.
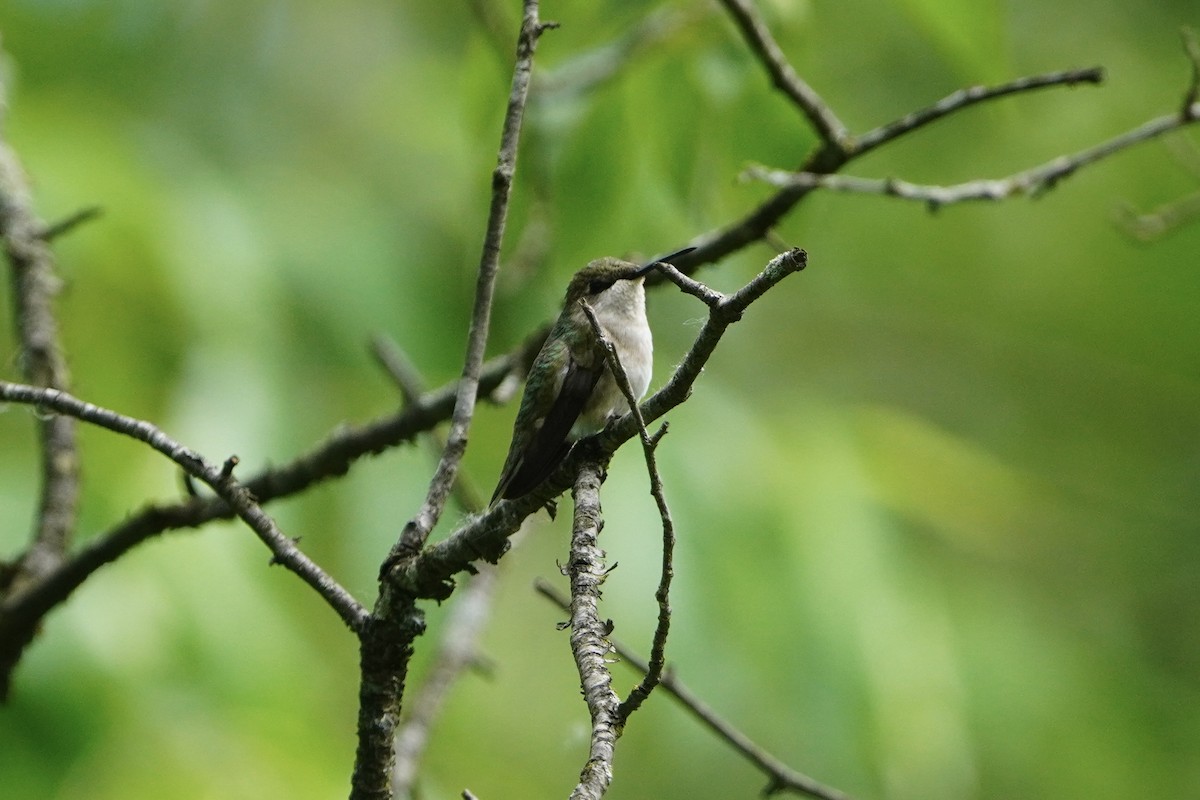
600 276
603 274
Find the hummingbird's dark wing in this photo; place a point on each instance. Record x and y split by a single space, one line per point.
549 446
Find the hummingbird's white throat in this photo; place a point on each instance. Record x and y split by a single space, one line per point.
621 312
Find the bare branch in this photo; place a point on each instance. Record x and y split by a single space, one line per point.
70 223
973 95
831 130
413 537
757 224
1153 225
35 284
16 618
1031 182
591 69
1191 48
589 643
330 459
781 776
412 387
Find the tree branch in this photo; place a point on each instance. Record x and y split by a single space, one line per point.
462 628
42 363
412 539
330 459
1153 225
1032 182
973 95
589 644
18 620
757 224
412 388
781 776
831 130
69 223
458 651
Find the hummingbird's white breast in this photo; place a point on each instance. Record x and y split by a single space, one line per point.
621 312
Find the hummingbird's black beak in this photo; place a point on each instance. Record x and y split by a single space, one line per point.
649 267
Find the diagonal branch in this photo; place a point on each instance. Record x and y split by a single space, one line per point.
329 459
17 621
831 130
781 776
1152 225
412 388
1191 48
973 95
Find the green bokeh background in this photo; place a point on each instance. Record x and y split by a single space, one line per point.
937 496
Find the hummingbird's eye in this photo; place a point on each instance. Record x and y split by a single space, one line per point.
596 287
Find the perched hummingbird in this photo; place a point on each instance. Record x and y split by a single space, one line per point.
570 392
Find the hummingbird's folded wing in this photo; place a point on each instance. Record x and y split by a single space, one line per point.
549 445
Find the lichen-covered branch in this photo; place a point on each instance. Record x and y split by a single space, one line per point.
781 777
589 634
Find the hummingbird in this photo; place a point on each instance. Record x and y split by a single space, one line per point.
570 391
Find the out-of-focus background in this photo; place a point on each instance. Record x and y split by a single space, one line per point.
938 496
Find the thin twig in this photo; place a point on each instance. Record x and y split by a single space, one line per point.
219 478
412 388
781 776
1167 218
415 533
1032 182
973 95
662 594
591 69
831 130
35 283
589 644
68 224
1191 48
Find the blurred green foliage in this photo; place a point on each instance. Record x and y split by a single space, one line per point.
937 496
